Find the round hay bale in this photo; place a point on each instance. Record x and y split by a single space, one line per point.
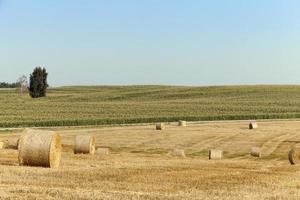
182 123
160 126
13 144
294 155
255 152
253 125
84 144
102 151
3 144
214 154
178 153
40 148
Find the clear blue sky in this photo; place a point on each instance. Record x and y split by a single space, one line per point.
182 42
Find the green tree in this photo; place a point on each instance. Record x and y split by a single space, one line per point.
38 82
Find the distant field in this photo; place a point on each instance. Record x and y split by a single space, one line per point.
68 106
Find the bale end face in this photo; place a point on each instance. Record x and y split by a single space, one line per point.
294 155
253 125
214 154
160 126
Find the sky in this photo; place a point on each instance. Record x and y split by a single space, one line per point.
170 42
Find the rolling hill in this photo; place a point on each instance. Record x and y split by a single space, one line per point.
100 105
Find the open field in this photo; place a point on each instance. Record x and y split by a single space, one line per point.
67 106
140 166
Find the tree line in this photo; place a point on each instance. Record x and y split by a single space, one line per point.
9 85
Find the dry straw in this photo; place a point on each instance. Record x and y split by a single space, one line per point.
160 126
13 144
293 155
84 144
182 123
102 151
214 154
255 152
3 144
178 152
40 148
253 125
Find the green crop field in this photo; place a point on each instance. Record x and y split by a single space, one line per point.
98 105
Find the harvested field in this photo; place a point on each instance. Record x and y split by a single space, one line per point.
140 166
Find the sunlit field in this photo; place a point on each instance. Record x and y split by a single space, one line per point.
141 166
67 106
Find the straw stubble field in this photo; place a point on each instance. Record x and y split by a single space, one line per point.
141 166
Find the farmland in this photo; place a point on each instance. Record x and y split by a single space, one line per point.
102 105
141 167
